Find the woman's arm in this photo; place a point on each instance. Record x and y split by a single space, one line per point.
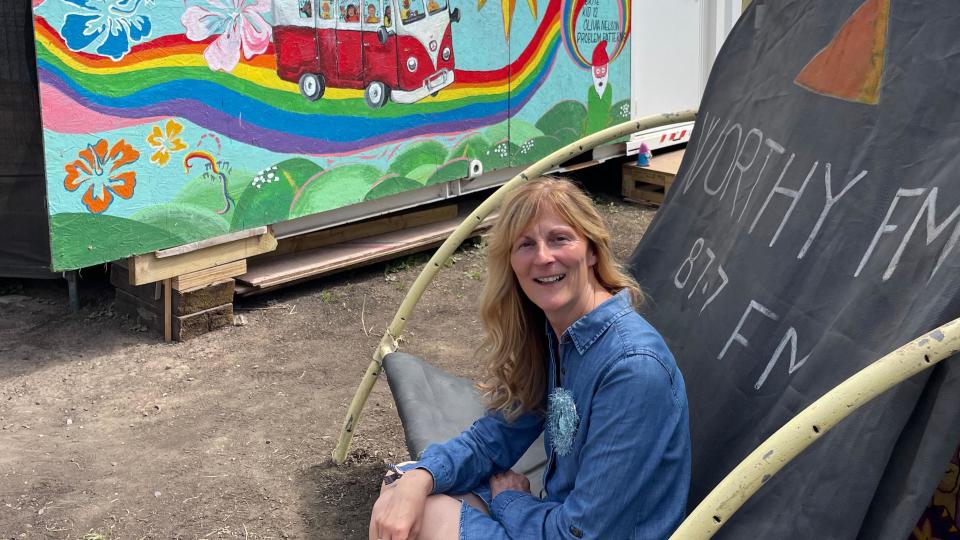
490 445
634 465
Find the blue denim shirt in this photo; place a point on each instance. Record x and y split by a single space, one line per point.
628 472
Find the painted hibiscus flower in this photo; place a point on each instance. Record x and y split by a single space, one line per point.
108 27
102 184
240 25
165 142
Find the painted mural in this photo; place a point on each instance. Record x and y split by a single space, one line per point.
170 121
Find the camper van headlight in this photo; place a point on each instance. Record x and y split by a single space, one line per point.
412 64
446 53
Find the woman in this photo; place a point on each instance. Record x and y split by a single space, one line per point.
565 352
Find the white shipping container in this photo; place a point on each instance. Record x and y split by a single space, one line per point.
673 44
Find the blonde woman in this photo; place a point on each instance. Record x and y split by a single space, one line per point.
567 353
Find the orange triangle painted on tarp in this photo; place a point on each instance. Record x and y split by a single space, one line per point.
851 66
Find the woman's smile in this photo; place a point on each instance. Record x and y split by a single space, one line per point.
550 279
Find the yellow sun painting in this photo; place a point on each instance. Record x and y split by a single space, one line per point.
507 8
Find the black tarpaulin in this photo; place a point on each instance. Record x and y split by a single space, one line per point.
812 229
25 249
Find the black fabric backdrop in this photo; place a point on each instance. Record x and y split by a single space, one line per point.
25 250
808 235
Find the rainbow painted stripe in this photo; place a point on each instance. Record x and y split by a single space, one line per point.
571 12
168 77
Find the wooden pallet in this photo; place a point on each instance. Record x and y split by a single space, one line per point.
650 184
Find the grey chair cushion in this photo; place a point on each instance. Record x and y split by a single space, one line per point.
435 406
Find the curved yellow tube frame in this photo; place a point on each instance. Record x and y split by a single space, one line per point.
389 342
812 423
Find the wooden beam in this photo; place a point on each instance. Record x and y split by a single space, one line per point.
209 242
354 231
149 268
202 278
167 310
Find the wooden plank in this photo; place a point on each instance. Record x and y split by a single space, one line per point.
167 310
667 161
209 242
148 268
271 272
203 298
201 322
578 166
353 231
207 276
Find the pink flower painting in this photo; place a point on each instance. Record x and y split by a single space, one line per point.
239 24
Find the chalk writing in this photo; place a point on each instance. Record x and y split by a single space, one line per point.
687 267
738 178
789 338
929 207
766 190
828 205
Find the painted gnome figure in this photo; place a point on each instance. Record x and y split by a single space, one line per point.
599 95
600 63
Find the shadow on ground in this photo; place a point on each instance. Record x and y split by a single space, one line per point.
338 499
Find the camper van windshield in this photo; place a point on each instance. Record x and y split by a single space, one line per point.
436 6
412 10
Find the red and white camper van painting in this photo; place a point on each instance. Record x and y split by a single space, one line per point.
401 50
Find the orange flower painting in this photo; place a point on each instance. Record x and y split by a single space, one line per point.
165 142
102 184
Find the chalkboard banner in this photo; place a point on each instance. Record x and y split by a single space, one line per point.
813 228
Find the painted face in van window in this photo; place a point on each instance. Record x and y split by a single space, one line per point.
352 15
306 9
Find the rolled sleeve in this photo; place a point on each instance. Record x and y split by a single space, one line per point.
492 444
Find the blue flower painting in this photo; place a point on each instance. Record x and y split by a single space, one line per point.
108 27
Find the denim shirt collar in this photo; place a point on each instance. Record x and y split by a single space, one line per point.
585 330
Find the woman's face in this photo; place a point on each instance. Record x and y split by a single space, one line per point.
554 266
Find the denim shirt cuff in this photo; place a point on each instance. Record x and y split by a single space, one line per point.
503 500
436 470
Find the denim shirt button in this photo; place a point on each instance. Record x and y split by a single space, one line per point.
576 532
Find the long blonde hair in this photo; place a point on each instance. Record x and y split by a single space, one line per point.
515 346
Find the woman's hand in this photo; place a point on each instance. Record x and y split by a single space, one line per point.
508 481
398 512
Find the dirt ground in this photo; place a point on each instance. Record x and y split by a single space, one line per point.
107 432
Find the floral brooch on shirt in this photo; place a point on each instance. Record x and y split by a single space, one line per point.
562 420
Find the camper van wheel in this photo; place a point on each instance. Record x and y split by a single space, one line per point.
311 86
376 94
434 94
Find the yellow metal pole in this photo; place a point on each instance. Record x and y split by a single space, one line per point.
389 342
812 423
